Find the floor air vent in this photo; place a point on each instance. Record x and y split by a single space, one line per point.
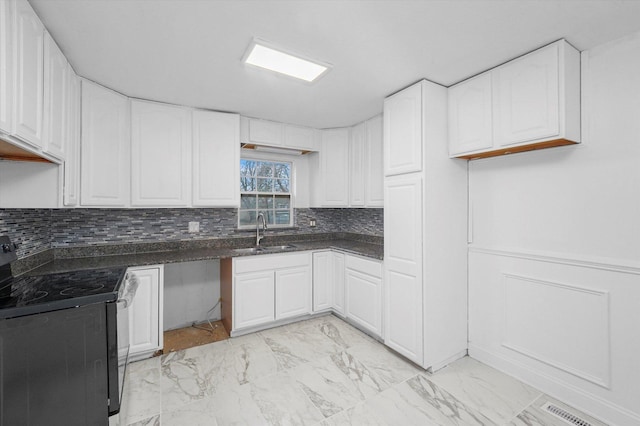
563 414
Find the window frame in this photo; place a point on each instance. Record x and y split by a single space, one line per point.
290 194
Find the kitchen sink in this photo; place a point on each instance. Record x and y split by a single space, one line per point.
256 250
249 250
276 248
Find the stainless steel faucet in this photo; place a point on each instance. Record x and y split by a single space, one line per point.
264 227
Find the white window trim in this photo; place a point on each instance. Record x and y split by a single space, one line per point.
270 157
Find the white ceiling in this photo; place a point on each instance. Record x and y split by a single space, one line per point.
188 51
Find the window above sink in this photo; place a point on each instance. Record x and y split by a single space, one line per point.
265 186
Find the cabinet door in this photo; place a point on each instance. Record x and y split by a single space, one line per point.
254 299
6 66
265 132
470 115
364 300
293 292
528 97
403 265
334 168
216 159
337 279
356 165
403 131
299 138
56 82
374 171
160 154
144 313
29 78
322 281
105 143
72 155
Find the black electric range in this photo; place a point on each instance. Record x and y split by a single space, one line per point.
27 295
71 329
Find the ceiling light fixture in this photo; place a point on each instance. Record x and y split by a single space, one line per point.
264 55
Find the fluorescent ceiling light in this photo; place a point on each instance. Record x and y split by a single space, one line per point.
263 55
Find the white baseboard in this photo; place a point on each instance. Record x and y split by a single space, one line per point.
588 403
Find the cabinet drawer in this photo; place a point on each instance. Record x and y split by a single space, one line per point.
270 261
365 266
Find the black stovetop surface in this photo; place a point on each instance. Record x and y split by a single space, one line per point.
36 294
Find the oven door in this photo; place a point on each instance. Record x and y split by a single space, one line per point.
118 322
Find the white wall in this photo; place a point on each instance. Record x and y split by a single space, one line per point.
191 289
28 184
554 266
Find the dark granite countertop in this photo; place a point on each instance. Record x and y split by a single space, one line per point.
140 254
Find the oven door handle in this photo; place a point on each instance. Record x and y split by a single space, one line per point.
129 288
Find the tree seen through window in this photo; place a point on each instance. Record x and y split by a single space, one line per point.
265 186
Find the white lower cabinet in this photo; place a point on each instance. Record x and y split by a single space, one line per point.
328 281
293 292
350 286
258 290
337 276
322 285
145 313
254 298
363 293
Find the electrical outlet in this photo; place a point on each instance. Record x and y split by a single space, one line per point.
194 227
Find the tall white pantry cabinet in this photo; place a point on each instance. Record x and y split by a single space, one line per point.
425 230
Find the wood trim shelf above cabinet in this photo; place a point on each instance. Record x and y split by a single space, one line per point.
515 149
10 151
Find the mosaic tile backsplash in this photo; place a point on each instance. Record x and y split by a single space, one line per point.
39 229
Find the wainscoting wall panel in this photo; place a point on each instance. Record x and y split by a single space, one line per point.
568 326
565 326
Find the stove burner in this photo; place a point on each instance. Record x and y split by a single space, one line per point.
35 296
81 290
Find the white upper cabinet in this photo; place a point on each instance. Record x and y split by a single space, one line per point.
297 137
357 150
271 133
529 103
105 143
349 169
265 132
6 66
470 115
403 131
56 88
334 168
216 159
29 78
374 174
160 154
71 196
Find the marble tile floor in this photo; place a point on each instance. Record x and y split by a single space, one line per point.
321 372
